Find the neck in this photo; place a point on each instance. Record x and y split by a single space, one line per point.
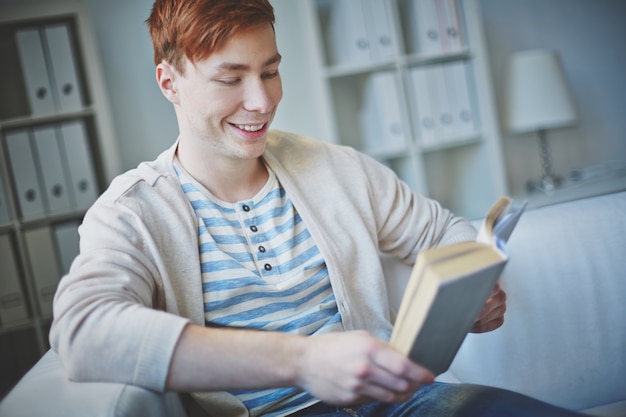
228 179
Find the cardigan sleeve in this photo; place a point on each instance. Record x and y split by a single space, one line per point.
407 221
109 324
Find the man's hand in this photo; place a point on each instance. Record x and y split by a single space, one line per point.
492 315
355 367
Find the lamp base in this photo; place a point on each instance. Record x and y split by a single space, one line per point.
546 184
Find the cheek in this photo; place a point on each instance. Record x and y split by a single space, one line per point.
277 91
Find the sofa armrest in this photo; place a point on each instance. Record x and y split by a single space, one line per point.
46 391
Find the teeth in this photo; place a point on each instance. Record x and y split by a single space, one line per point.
250 128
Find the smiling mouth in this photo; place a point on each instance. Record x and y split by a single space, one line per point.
250 128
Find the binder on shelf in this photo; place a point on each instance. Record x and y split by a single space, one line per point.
44 267
443 106
24 173
459 99
348 38
63 67
34 69
380 116
423 89
13 307
424 27
450 27
381 34
75 147
52 168
67 243
5 212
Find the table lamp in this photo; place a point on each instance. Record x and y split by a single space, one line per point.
538 99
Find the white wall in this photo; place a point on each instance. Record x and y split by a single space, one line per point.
589 37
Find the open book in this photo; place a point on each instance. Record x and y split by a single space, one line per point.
448 288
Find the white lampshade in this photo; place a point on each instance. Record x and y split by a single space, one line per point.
537 94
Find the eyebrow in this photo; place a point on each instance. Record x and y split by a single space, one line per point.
229 66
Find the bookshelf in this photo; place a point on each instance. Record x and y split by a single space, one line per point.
408 82
57 153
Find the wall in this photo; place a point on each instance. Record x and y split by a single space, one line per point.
589 37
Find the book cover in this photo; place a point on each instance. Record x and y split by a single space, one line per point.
447 289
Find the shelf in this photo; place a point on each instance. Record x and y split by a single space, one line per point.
574 190
57 152
433 115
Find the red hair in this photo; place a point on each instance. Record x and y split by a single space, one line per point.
196 28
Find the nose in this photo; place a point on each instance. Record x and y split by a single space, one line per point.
262 96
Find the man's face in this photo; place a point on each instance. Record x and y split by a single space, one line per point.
228 100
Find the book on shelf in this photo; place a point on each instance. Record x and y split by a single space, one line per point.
448 288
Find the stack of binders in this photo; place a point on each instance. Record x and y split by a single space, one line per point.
442 100
380 116
52 170
434 27
47 59
360 32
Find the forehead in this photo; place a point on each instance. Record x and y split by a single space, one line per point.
254 46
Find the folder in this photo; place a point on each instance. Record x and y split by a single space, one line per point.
348 38
44 267
451 31
5 212
52 168
12 301
380 116
82 178
443 106
424 29
381 34
35 71
67 243
459 99
24 172
63 67
426 118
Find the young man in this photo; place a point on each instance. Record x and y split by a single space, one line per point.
242 264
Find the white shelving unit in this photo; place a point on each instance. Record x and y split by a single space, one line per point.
371 55
57 153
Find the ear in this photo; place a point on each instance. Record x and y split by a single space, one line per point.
167 77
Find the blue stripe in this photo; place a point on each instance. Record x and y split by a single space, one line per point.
271 396
322 315
222 265
218 305
296 402
266 309
278 230
286 246
294 263
209 205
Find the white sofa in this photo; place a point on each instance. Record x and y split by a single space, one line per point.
564 339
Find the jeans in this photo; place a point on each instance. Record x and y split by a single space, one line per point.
447 400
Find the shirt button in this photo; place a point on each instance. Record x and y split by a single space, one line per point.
254 228
261 248
268 267
245 207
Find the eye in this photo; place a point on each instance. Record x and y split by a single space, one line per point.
269 75
229 81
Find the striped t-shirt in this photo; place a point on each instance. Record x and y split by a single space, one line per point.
262 270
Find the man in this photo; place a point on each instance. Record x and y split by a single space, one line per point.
242 264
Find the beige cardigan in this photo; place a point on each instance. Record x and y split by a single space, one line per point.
136 283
